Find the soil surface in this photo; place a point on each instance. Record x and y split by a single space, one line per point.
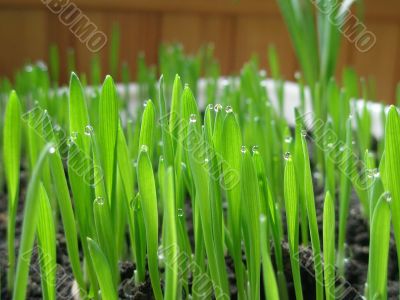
355 273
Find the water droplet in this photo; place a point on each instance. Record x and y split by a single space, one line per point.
144 148
353 142
57 128
228 109
217 107
371 173
297 75
387 196
254 149
183 165
161 158
210 106
52 150
193 118
206 160
304 132
145 103
99 200
180 212
263 218
341 149
243 149
329 145
88 130
287 156
288 139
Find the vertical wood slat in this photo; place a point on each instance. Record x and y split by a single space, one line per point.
23 38
237 33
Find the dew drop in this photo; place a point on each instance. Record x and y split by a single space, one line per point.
341 149
210 106
304 132
254 149
180 212
243 149
228 109
145 103
99 200
371 173
329 145
88 130
193 118
263 218
52 150
288 139
256 119
287 156
144 148
387 196
183 165
206 160
217 107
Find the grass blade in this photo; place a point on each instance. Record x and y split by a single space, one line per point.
329 246
292 216
103 272
29 226
391 171
12 152
379 248
147 190
47 246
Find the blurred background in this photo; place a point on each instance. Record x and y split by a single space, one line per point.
237 29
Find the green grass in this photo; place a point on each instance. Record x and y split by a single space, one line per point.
180 189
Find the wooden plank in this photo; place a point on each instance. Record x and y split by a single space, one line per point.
381 8
23 38
380 60
254 35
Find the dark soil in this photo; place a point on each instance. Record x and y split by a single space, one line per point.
355 273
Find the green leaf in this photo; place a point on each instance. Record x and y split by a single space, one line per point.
379 248
292 217
107 133
391 170
270 284
12 146
103 272
147 190
147 129
31 211
78 113
329 246
170 247
47 246
231 167
12 155
251 212
312 220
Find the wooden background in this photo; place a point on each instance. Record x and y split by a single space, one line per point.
238 28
